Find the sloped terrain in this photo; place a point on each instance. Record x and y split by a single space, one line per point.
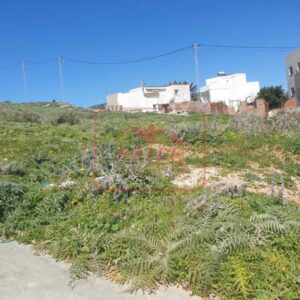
122 195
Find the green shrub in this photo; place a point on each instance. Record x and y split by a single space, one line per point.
10 197
12 168
20 116
65 117
291 144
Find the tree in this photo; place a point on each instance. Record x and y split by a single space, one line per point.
274 95
193 88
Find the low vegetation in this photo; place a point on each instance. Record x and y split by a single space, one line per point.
109 203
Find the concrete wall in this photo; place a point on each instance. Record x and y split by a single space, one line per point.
258 108
112 99
297 86
195 106
292 60
183 93
291 104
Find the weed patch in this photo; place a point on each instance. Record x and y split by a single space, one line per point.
111 208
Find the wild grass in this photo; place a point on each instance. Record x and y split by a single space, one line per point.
139 228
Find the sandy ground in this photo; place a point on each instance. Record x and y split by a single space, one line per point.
216 178
25 276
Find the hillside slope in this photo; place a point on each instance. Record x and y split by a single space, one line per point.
126 197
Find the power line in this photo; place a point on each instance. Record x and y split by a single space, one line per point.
249 47
168 63
250 50
42 61
202 45
128 61
180 51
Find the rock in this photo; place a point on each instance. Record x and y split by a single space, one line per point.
67 184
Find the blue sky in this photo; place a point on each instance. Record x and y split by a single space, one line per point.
35 30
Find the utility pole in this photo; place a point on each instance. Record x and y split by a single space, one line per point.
197 72
25 83
203 116
61 77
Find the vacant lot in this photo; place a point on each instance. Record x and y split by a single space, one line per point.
124 196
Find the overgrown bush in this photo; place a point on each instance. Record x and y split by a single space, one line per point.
285 123
10 197
193 133
151 240
65 117
249 125
12 168
20 116
124 172
282 123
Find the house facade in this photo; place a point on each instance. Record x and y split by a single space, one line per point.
148 98
230 89
293 74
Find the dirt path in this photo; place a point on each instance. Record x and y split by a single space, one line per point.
25 276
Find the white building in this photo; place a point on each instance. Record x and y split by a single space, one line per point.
230 89
148 98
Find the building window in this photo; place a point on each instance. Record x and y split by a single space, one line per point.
292 92
291 71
